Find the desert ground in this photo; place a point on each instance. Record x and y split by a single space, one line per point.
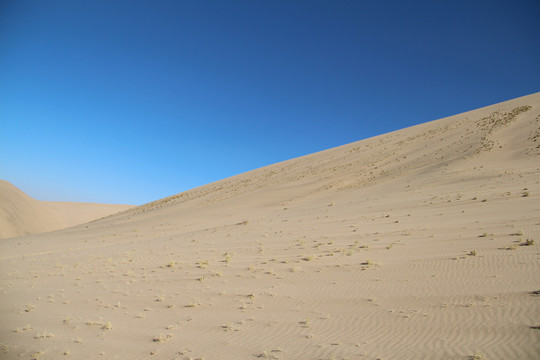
422 243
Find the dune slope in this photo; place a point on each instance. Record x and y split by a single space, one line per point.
22 215
417 244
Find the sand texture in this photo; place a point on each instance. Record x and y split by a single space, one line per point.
22 215
418 244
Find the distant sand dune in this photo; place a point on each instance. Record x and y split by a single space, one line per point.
22 215
417 244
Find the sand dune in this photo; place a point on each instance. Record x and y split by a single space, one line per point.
417 244
22 215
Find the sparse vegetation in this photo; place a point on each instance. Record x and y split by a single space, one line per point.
477 356
368 262
510 247
193 304
162 338
43 335
36 355
269 354
229 327
202 264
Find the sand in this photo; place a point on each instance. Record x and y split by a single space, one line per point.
417 244
22 215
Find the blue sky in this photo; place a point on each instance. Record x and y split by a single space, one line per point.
131 101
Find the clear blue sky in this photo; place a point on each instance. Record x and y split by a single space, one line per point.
131 101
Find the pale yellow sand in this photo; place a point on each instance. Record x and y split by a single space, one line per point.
22 215
409 245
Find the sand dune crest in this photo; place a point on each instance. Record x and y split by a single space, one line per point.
22 215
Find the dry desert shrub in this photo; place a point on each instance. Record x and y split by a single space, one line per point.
193 304
368 262
528 242
36 355
202 264
171 264
162 338
510 247
477 356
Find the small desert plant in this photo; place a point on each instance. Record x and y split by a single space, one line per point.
202 264
171 264
193 304
269 354
476 356
228 327
472 253
511 247
162 338
368 262
36 355
528 242
44 336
